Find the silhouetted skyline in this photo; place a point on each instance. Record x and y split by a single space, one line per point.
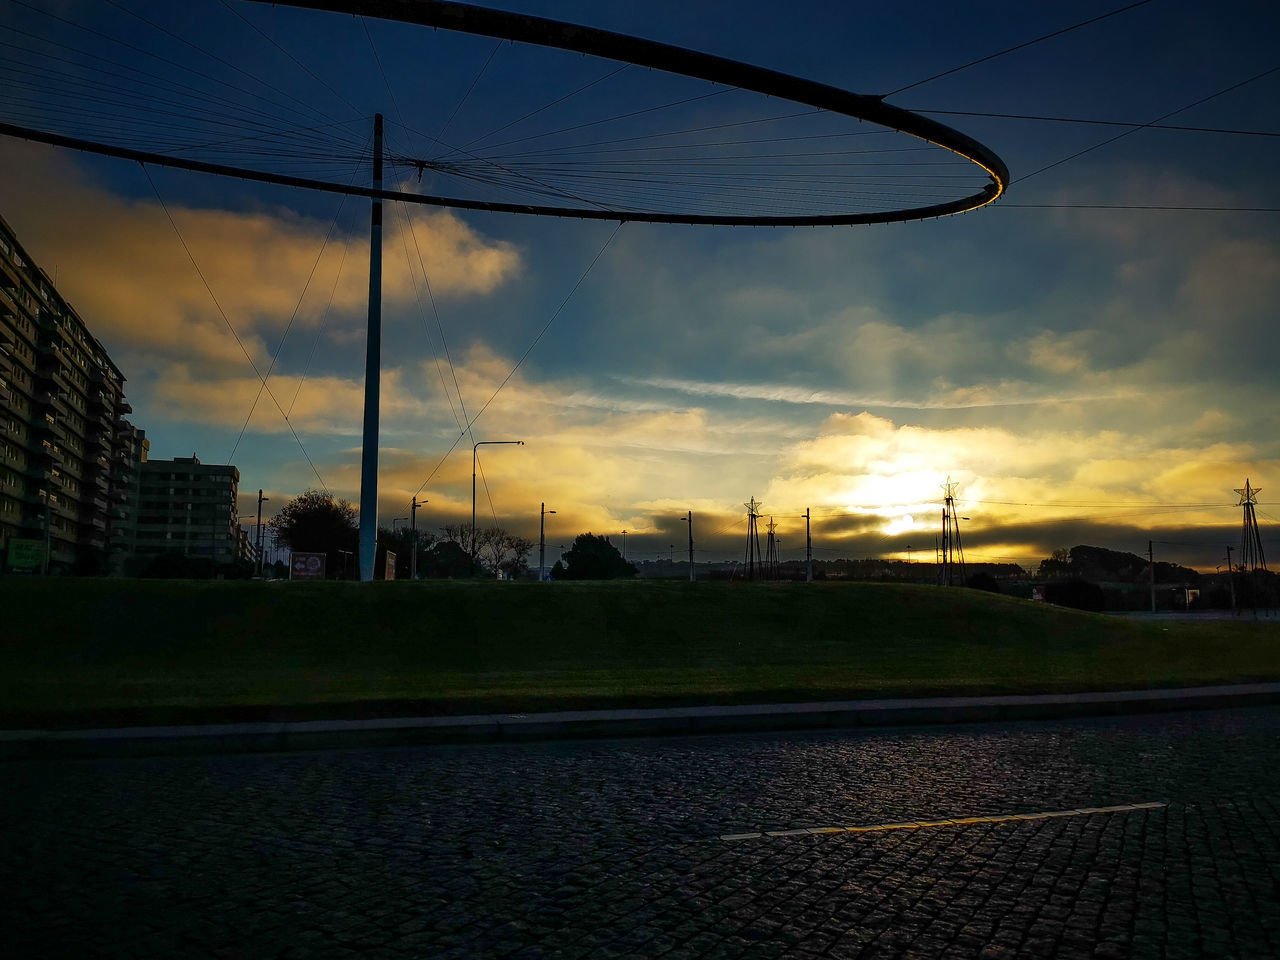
1092 376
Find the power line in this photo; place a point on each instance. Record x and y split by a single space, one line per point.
511 373
1127 133
1184 208
1019 46
1102 123
227 321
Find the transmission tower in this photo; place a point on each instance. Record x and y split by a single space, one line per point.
753 558
771 553
1252 559
951 569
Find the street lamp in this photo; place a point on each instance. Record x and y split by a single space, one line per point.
689 521
542 543
474 447
624 546
258 529
413 527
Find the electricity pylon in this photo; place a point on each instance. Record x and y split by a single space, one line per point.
951 570
753 557
1252 559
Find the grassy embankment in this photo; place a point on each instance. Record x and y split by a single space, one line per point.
84 651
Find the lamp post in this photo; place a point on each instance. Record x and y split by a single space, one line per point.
413 526
624 546
474 447
542 543
689 521
258 529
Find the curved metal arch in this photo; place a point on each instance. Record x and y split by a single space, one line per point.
467 18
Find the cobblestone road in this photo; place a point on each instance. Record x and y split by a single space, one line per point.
618 848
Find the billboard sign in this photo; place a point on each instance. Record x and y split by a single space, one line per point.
306 566
25 554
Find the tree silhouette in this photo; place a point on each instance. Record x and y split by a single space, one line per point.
317 522
592 558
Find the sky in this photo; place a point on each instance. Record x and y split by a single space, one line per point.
1083 369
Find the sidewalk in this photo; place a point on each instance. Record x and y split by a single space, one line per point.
411 731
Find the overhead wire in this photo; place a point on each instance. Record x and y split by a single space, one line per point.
229 325
333 225
541 333
1018 46
1165 116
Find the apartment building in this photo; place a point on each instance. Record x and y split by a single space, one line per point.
68 458
189 508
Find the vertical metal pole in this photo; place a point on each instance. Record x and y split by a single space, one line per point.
257 530
48 540
1151 558
690 519
808 549
474 447
1231 579
372 376
542 543
413 535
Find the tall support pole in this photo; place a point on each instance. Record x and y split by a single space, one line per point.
808 549
413 535
258 530
48 540
1231 579
542 543
689 519
372 376
1151 559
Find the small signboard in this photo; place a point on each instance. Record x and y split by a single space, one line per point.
25 554
391 566
306 566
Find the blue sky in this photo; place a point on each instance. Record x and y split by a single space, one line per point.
1100 376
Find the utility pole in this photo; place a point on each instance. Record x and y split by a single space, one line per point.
808 549
753 557
258 529
1151 559
542 543
413 533
689 520
475 447
1231 579
48 539
624 546
372 376
771 552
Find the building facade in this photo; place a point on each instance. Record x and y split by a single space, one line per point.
68 458
188 508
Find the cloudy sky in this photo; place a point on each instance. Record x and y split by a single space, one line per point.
1086 370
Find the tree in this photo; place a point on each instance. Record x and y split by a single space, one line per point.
593 558
445 559
318 522
500 550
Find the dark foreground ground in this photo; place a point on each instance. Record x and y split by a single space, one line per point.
634 848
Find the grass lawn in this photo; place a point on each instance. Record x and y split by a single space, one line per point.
125 651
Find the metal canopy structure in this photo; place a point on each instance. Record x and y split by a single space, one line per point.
465 18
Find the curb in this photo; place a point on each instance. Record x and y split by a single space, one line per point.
580 724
